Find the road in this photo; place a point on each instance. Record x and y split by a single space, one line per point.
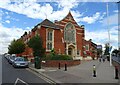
18 75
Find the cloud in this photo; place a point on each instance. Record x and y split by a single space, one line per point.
91 19
101 36
113 20
35 10
67 3
7 21
1 13
77 15
7 35
116 11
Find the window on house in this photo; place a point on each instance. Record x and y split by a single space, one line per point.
78 52
49 36
49 46
87 47
49 39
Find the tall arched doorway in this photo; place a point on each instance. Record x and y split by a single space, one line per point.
71 51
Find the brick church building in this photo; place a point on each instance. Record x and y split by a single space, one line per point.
64 36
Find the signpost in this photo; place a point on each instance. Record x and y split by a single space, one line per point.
110 48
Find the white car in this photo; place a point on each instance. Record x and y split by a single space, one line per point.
11 59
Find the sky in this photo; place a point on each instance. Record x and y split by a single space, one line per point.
18 16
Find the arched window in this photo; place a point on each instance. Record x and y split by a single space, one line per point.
69 33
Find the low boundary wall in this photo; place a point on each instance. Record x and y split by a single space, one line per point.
55 63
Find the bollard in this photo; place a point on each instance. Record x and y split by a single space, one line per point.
94 71
116 72
59 66
65 67
103 60
99 59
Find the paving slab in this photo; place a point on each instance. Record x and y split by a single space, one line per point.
82 73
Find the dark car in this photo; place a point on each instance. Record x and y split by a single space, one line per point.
20 62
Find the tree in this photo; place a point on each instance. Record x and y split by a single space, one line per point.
115 51
106 49
16 47
38 51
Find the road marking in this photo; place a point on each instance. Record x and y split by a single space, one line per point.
43 77
52 70
18 79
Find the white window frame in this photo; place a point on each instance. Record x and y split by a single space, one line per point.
49 41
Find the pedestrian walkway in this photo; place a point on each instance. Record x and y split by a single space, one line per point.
82 73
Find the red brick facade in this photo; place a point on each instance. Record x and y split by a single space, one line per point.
61 46
90 49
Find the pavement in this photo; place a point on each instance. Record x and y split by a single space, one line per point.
82 73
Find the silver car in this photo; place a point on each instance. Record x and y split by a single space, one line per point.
20 62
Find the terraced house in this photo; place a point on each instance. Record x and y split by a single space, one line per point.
64 36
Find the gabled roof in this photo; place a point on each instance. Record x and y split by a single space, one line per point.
69 16
48 23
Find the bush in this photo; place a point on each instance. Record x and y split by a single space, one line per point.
58 57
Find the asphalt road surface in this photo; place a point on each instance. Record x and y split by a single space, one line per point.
13 76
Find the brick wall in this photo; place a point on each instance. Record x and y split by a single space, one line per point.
55 63
58 44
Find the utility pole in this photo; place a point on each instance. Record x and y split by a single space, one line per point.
109 34
118 3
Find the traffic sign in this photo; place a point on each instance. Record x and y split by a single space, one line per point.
110 48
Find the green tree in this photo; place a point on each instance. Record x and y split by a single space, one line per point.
106 49
106 52
115 51
16 47
38 51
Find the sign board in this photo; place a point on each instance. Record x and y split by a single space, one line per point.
99 46
110 48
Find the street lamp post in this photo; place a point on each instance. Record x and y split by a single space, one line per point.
109 35
118 3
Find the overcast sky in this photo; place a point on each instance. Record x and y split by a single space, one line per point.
17 17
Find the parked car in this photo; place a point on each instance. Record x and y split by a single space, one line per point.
11 59
20 62
7 56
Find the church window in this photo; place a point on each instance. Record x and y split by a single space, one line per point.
69 33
